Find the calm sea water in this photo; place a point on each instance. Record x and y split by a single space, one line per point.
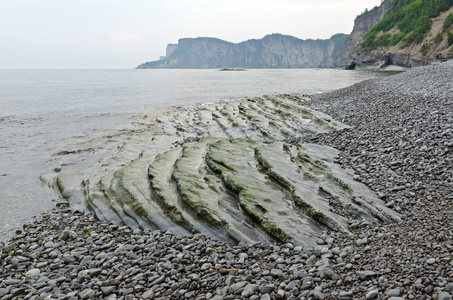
43 112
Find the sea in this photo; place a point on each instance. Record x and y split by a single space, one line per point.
44 112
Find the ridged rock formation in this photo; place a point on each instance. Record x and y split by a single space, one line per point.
273 51
239 174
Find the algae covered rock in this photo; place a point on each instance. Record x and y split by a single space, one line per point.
264 201
191 186
290 192
225 170
160 179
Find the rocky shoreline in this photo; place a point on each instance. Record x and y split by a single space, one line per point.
400 145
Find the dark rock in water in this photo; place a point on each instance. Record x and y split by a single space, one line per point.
351 65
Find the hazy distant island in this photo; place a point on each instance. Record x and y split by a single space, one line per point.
272 51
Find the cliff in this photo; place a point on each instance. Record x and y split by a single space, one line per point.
362 24
170 49
411 33
272 51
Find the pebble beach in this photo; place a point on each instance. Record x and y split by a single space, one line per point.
399 144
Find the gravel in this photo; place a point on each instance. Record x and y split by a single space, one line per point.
400 145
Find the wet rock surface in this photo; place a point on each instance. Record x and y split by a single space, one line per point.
400 145
223 173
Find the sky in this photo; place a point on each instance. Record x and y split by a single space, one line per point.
121 34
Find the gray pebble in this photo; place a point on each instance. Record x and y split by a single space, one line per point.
249 290
372 295
87 294
444 296
265 289
393 293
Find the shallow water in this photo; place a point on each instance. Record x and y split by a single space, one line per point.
62 119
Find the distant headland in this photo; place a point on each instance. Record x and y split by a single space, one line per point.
272 51
402 33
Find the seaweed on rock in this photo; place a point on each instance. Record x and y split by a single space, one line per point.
227 176
159 173
191 188
261 199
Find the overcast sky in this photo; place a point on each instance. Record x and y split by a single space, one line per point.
125 33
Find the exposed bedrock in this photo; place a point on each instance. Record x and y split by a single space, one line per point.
233 171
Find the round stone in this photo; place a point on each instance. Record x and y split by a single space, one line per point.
32 273
431 261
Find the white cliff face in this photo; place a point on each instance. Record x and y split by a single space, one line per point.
170 49
273 51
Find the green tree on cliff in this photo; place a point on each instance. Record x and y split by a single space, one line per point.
411 17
